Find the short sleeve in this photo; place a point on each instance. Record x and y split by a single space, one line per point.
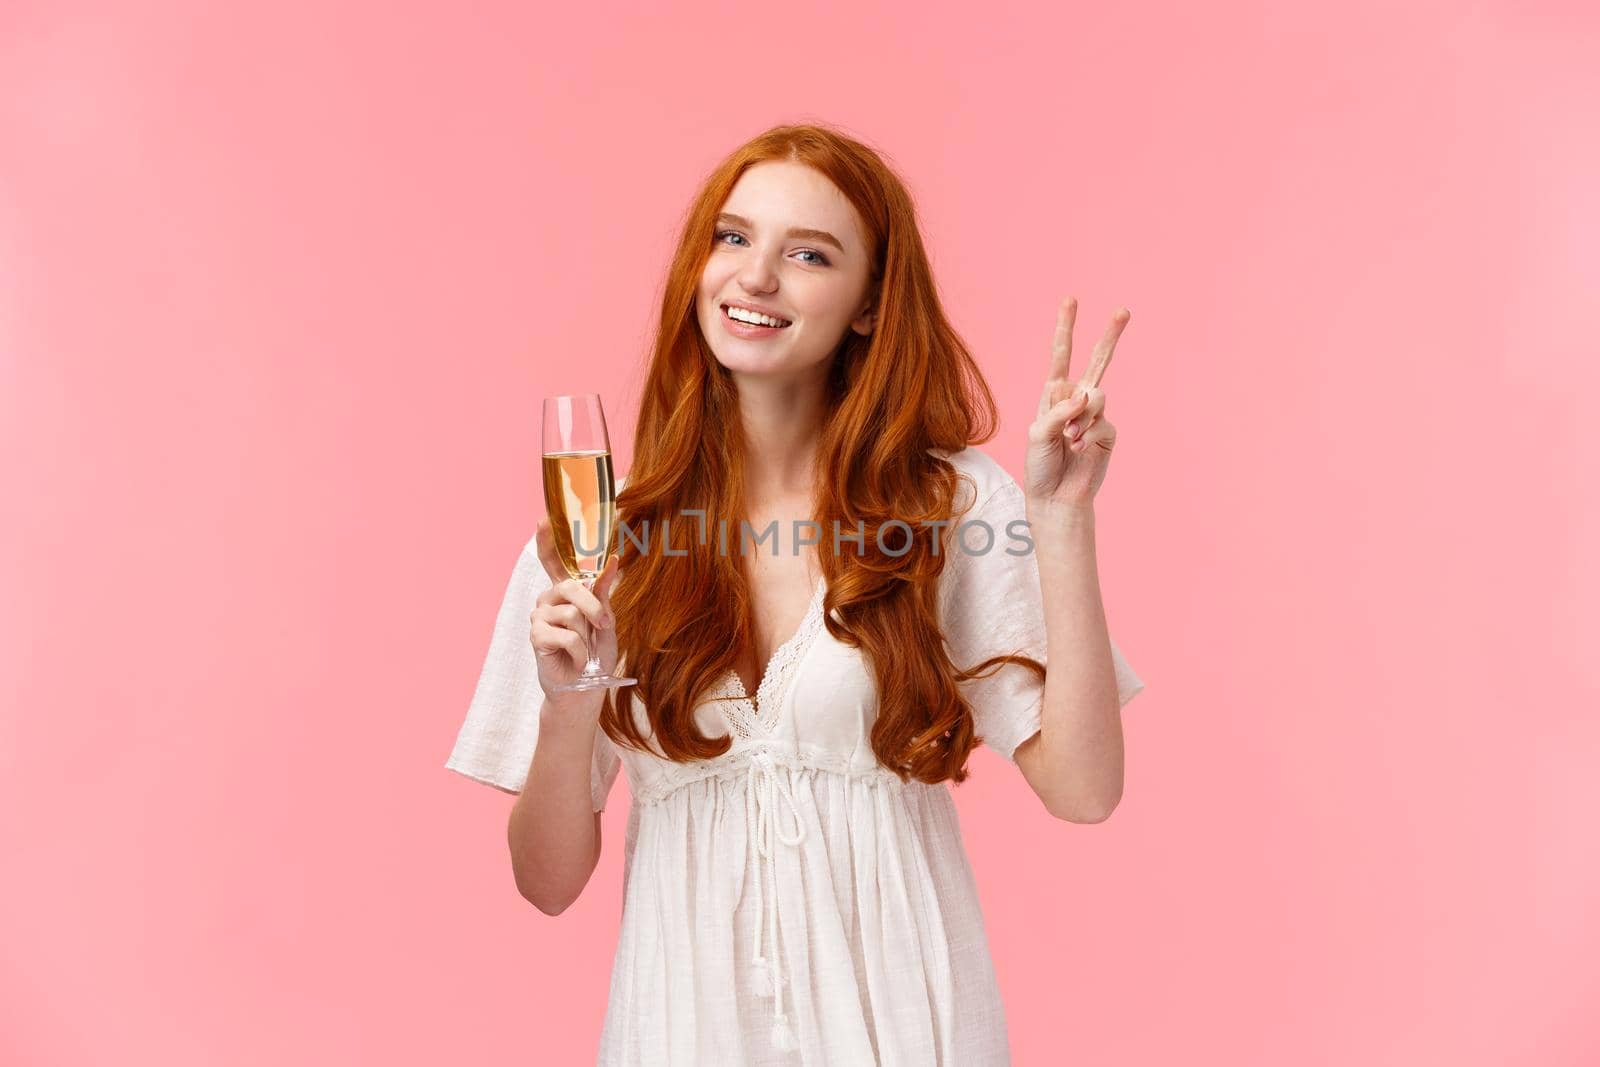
496 741
991 605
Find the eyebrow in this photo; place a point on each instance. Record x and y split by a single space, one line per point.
811 235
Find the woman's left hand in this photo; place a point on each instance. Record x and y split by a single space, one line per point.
1070 442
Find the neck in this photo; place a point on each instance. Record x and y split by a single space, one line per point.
782 423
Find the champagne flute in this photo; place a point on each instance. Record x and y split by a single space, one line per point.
580 497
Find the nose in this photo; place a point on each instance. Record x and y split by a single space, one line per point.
757 276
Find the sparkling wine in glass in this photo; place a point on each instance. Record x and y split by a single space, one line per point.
580 496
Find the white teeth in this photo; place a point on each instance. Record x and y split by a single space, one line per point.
755 317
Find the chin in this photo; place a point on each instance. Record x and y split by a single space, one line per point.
787 365
752 362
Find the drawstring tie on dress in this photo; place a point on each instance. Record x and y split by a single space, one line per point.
761 818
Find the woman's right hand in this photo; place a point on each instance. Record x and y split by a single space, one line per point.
566 619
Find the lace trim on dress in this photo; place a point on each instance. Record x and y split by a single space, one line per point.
749 718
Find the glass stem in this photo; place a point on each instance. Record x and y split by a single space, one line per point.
591 669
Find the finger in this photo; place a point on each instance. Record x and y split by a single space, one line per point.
556 641
548 555
572 592
1093 411
1101 359
1061 346
565 615
1102 434
1055 420
1055 390
607 580
1094 401
1044 398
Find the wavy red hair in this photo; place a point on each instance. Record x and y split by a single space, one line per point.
908 387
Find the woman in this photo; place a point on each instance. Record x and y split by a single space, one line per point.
795 886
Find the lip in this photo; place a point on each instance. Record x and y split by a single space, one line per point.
758 309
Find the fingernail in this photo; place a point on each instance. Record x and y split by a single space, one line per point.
1072 430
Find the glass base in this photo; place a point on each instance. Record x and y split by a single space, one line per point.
582 684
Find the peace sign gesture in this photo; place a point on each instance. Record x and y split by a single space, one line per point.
1070 442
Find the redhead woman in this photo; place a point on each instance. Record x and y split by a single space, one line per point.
829 596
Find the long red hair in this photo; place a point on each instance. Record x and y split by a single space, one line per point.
909 386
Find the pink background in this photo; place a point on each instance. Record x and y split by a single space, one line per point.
282 285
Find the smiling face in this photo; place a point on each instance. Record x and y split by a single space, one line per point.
790 244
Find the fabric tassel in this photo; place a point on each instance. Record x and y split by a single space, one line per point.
761 977
782 1035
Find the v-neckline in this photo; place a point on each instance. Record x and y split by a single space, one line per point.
813 607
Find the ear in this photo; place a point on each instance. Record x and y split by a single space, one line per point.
867 318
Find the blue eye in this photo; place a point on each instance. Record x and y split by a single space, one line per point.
820 261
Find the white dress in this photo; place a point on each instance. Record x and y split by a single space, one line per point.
795 855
